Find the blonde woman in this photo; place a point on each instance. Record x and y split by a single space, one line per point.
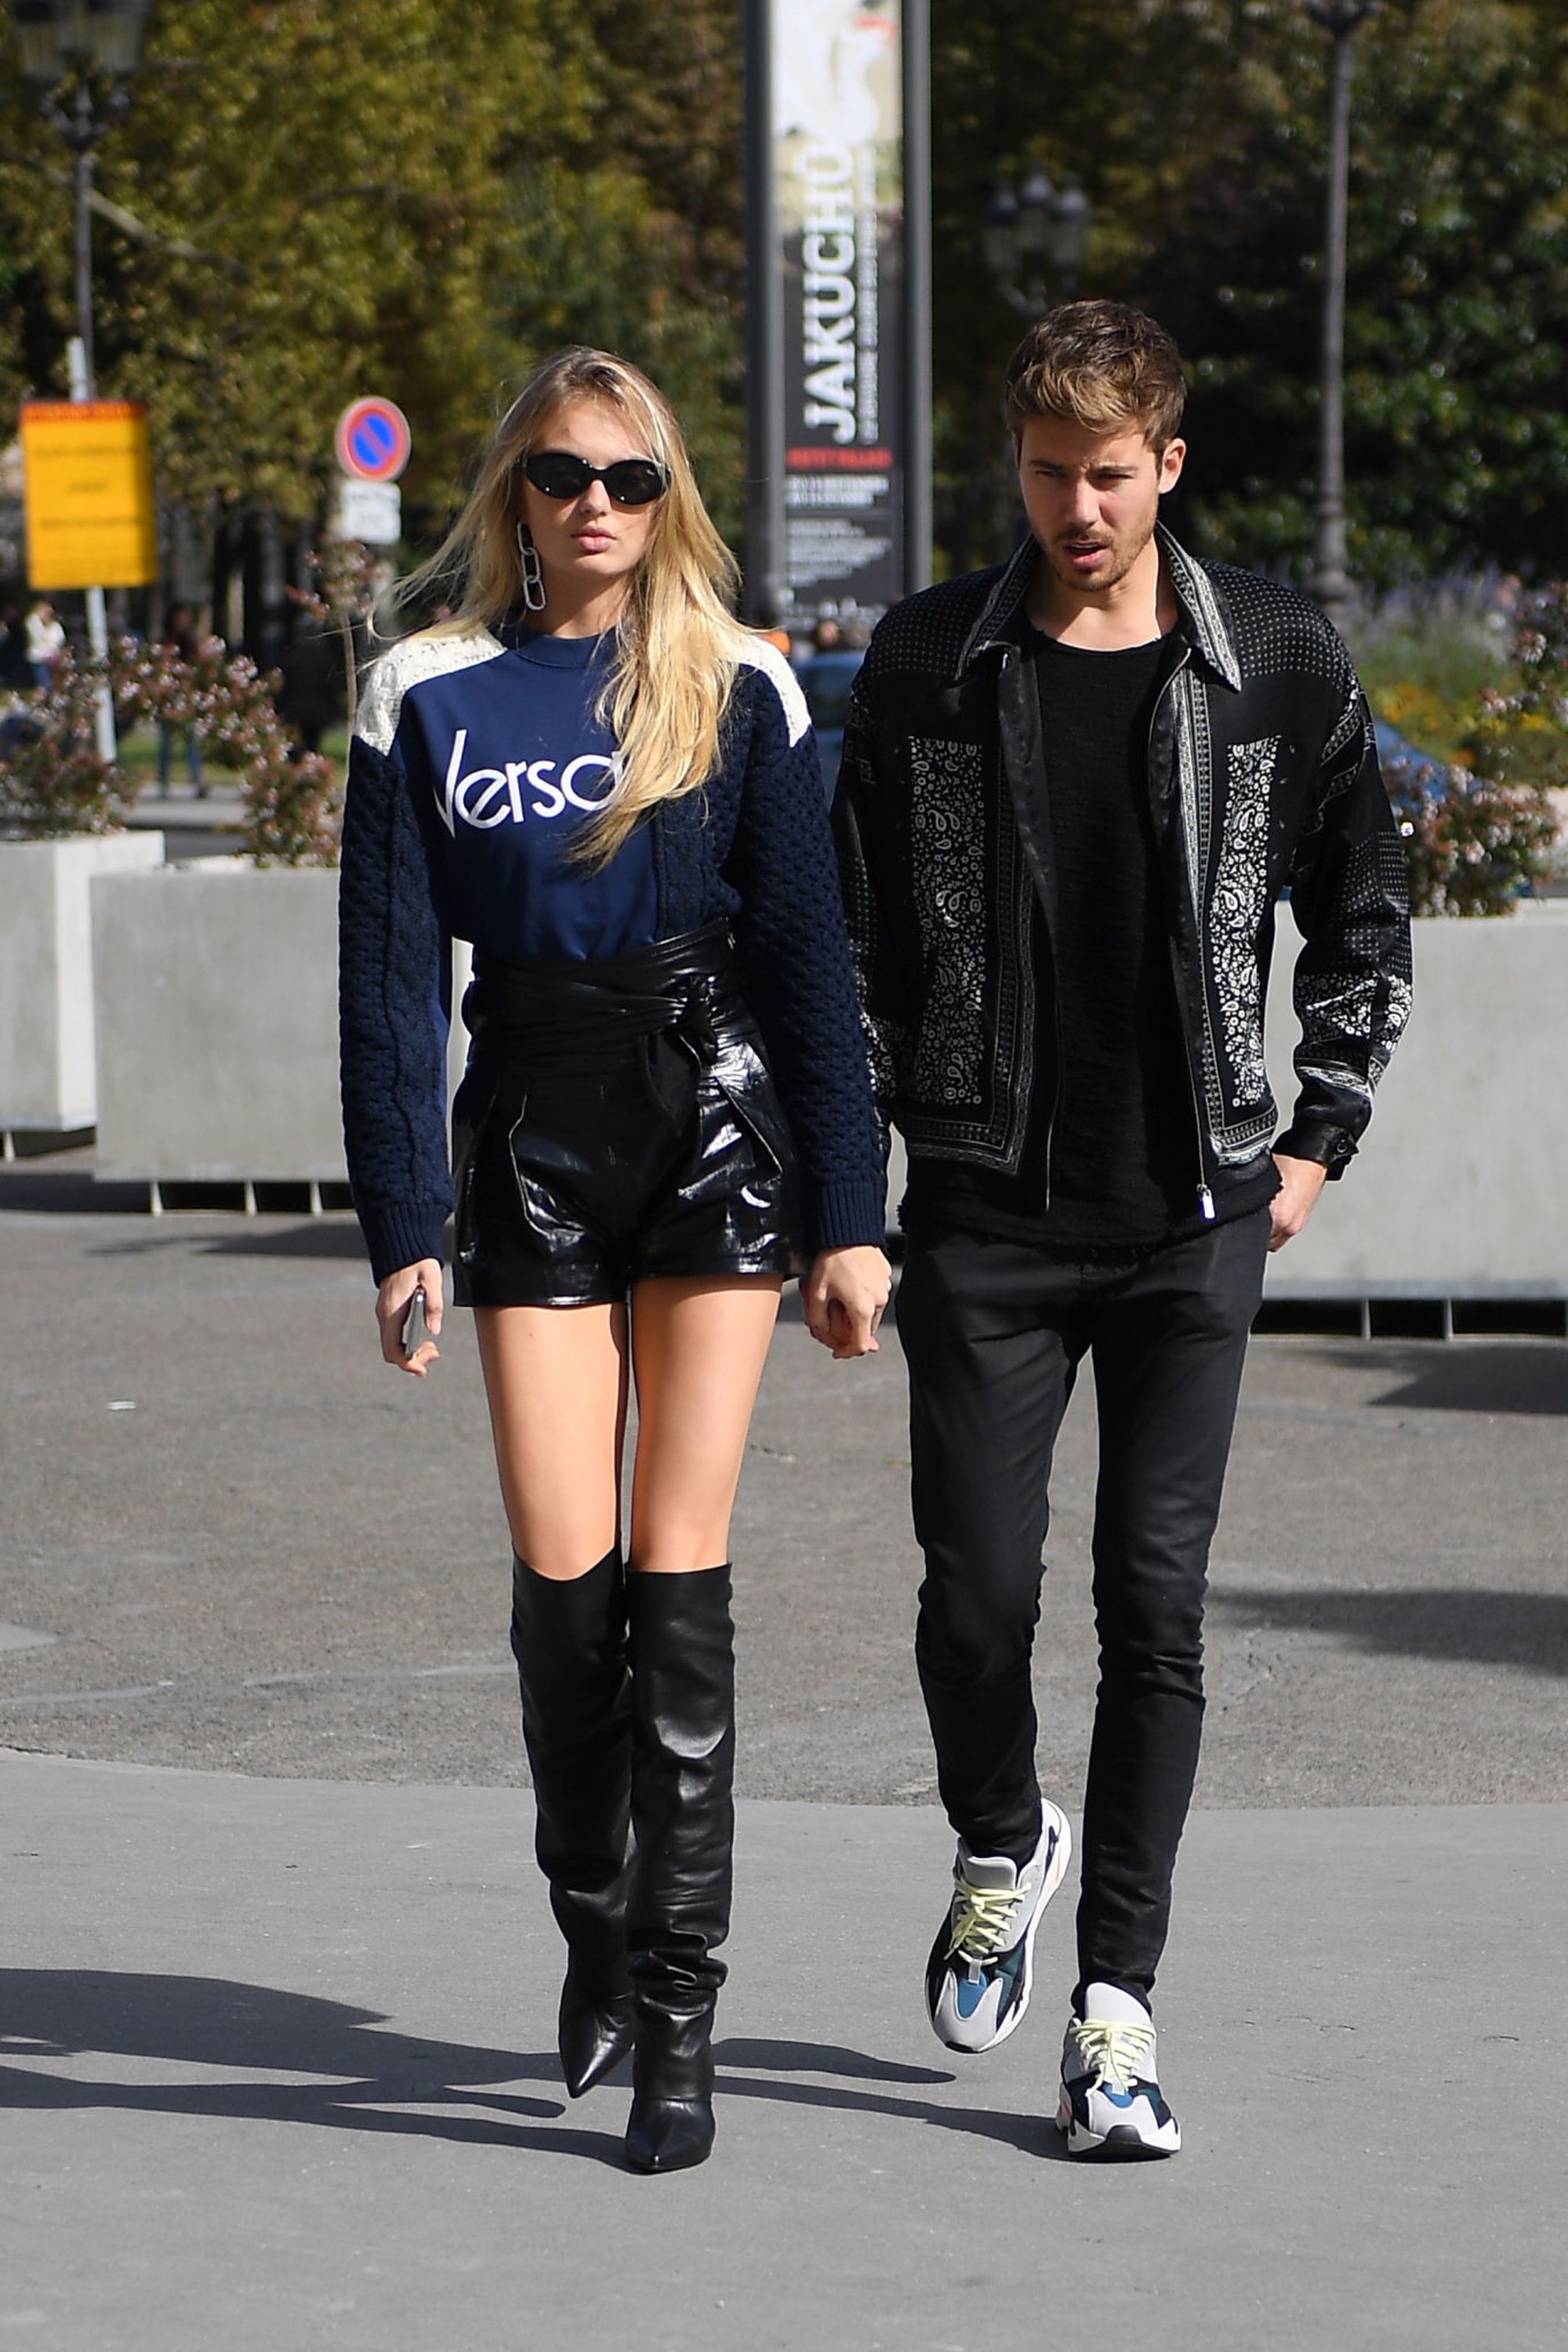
596 776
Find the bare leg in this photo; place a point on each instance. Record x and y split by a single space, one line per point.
556 1381
698 1348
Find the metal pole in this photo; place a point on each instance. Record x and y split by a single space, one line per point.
83 387
1332 583
764 331
917 295
84 142
97 616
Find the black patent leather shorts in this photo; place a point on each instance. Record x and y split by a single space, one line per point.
618 1121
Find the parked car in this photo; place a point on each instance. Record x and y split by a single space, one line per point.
1419 771
825 680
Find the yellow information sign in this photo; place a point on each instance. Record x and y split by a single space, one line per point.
89 494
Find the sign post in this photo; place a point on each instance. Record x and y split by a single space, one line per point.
372 442
89 495
91 519
839 307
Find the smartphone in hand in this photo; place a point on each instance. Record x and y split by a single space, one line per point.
415 1330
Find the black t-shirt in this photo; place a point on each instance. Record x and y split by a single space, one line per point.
1111 1159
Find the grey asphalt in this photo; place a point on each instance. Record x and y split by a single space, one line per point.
266 1864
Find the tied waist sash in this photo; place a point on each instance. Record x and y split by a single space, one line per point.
673 1008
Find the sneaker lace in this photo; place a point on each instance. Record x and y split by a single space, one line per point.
1124 2053
983 1920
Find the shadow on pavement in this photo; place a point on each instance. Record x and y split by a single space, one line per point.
1472 1378
59 1194
1527 1630
337 1237
321 1238
213 2022
372 2078
820 2058
76 1192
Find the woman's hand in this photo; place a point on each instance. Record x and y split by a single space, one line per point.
391 1308
843 1296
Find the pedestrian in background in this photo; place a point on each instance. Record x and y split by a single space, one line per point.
16 668
310 696
1072 791
45 640
596 776
179 638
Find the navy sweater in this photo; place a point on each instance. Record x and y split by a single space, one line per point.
442 840
518 760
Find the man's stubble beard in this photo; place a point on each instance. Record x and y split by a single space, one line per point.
1072 580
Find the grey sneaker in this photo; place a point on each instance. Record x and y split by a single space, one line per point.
978 1978
1112 2103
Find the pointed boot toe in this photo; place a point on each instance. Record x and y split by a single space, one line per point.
672 2122
593 2038
668 2134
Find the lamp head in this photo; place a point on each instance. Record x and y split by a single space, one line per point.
999 233
54 37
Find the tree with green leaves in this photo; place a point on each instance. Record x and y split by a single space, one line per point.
317 200
1198 130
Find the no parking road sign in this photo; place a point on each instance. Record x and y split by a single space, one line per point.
374 440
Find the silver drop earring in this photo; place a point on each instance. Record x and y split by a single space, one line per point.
533 595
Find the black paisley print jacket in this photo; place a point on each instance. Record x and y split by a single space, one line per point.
1262 776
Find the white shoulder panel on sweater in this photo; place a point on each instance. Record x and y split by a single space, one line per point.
408 664
758 654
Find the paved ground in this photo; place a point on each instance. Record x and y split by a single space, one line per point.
253 1546
279 2058
232 1545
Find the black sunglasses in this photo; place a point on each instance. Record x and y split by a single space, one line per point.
630 481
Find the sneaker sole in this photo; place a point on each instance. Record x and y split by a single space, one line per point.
1120 2144
1061 1858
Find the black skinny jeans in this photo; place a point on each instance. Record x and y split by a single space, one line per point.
994 1332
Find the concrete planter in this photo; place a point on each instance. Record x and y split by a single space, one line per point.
217 1008
47 1079
1455 1192
217 1030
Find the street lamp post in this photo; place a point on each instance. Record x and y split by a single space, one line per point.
1035 241
1038 236
85 44
1332 583
80 42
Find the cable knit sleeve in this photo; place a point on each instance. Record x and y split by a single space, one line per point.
395 1006
793 952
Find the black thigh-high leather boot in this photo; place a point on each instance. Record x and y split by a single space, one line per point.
683 1768
568 1638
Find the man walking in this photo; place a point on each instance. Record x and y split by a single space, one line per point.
1072 791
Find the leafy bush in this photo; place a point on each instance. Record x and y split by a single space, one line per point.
53 781
1473 847
1440 666
1523 733
1426 654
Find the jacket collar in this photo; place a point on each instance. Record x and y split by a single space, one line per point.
1203 621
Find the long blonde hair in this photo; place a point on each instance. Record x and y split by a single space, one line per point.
676 644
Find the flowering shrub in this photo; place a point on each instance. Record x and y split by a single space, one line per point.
1521 735
53 781
1473 846
1486 831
